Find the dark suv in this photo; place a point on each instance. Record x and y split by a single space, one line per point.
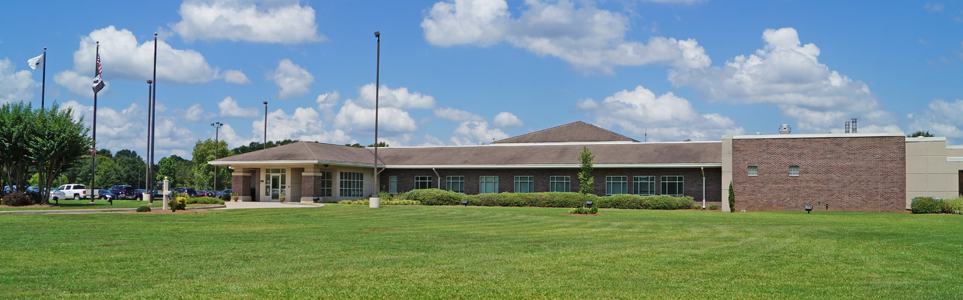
125 192
191 192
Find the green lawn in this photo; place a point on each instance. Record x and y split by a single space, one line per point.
351 251
85 204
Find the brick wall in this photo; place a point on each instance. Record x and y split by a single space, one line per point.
865 174
241 185
506 179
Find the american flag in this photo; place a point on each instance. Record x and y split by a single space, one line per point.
99 69
98 82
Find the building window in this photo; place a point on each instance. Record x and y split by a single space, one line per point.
326 180
487 184
616 185
275 183
643 185
352 184
793 170
560 184
672 185
524 184
455 184
393 185
753 171
422 182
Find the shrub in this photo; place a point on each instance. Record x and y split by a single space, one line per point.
143 209
433 197
204 200
384 196
696 206
666 202
925 205
18 198
178 203
578 211
713 206
732 199
952 206
594 210
344 202
225 197
624 201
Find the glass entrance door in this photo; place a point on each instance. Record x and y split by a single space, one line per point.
275 187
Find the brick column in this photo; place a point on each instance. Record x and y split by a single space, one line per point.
241 184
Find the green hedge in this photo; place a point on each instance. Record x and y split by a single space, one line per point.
952 206
550 199
204 200
925 205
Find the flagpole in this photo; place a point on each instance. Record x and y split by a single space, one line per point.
153 120
93 155
43 84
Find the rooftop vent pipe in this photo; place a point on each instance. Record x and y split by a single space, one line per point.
785 129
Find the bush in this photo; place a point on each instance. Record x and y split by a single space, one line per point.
594 210
433 197
713 206
666 202
143 209
18 198
624 201
925 205
384 196
696 206
178 203
952 206
344 202
204 200
225 197
383 202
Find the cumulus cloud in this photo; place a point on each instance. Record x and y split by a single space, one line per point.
456 115
232 76
78 85
230 109
293 80
941 118
191 114
665 118
587 37
353 117
507 119
787 74
122 57
251 21
127 128
304 124
474 132
326 103
400 98
16 85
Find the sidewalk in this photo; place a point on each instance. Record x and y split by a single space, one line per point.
91 211
251 205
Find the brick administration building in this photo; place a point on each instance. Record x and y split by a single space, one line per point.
836 172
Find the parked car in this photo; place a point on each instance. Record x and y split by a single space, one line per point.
191 192
56 194
139 194
104 195
227 192
74 191
202 193
125 192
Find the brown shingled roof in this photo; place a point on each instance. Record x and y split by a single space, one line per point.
307 151
572 132
555 154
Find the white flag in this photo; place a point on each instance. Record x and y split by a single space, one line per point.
36 62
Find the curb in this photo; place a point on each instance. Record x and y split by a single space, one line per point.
89 211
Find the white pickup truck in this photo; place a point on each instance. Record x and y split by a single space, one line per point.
74 191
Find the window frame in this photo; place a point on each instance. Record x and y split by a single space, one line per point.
752 171
676 179
393 185
637 182
483 184
525 180
456 180
793 171
610 184
422 183
565 181
349 186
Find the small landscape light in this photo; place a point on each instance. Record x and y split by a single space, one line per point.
464 202
809 208
316 199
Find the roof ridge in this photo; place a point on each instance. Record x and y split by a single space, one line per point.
305 145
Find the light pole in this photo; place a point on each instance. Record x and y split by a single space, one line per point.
217 127
377 87
150 109
703 187
153 123
265 125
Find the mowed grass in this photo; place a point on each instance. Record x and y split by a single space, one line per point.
351 251
98 204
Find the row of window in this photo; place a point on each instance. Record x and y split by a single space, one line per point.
641 185
754 171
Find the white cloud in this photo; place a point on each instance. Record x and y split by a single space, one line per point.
474 132
292 79
507 119
389 97
127 129
353 117
192 114
15 85
232 76
230 109
123 58
78 85
456 115
665 118
787 74
242 20
934 7
429 140
327 101
587 37
941 118
304 124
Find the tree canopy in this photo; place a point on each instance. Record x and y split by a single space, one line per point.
920 133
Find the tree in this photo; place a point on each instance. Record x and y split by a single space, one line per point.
920 133
55 142
203 173
381 144
131 167
356 145
16 128
176 169
254 146
585 176
732 199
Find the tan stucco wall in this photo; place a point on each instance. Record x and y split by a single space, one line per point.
928 171
726 170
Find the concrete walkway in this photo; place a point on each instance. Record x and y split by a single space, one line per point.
250 205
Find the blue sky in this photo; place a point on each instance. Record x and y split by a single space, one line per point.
470 71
